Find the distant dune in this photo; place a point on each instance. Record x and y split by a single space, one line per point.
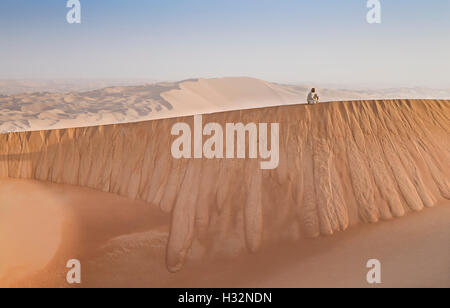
341 164
21 86
42 110
134 103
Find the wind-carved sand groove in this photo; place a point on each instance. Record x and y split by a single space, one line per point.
341 164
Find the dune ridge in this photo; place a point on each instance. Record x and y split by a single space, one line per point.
137 103
341 164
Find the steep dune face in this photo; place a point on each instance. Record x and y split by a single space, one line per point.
340 164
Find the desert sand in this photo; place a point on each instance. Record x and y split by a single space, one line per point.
51 109
121 243
342 165
30 86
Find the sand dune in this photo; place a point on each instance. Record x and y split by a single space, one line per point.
225 94
27 112
113 105
134 103
20 86
341 164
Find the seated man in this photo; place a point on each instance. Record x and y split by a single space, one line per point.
313 98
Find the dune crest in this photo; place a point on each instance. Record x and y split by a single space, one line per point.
341 164
129 104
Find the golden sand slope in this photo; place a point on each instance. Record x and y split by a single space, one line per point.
340 164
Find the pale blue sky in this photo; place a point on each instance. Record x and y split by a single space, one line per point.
325 41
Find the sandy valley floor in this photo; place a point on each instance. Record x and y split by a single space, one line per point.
121 243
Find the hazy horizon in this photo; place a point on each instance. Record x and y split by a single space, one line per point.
295 42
